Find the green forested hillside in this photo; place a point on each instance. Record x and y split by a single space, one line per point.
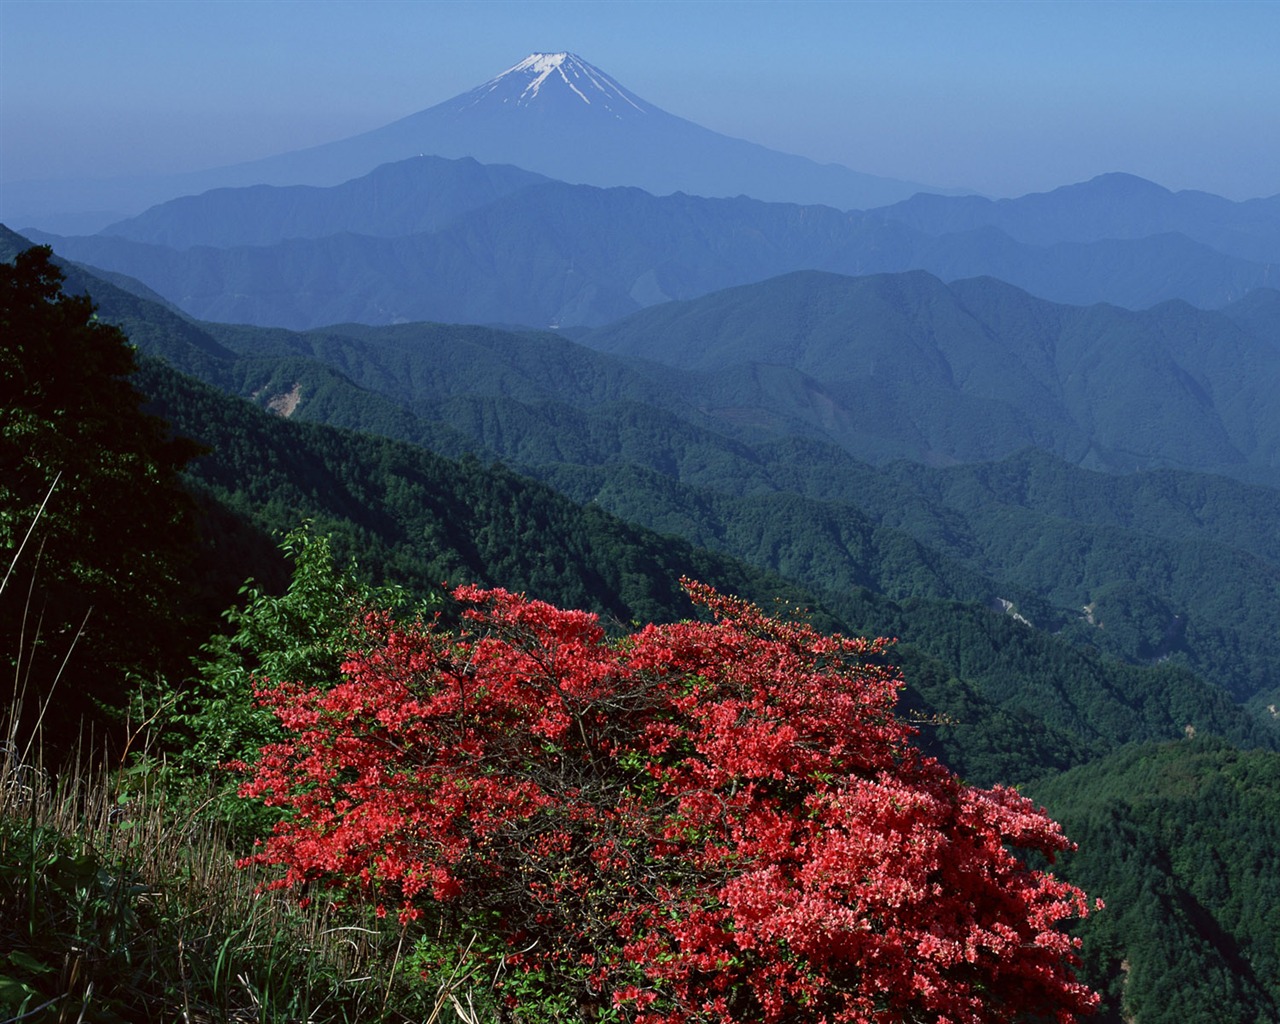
982 572
1183 843
1143 567
421 520
979 369
1172 565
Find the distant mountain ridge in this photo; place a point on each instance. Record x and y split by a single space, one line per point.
903 365
458 241
551 113
410 196
1117 206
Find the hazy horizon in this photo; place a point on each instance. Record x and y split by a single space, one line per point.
1004 99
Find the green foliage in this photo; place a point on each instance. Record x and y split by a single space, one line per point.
103 567
301 635
63 898
1182 841
459 970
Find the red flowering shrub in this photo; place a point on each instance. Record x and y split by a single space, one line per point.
720 822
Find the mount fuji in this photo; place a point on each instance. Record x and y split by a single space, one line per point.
552 113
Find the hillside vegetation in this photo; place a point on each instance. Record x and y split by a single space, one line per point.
1089 635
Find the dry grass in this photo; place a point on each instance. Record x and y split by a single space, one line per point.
130 904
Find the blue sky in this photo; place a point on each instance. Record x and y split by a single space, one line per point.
1006 98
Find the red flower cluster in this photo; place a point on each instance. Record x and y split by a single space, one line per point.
705 821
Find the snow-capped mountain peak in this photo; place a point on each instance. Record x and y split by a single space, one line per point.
552 113
562 74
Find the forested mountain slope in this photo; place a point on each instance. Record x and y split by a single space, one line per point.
1152 567
978 369
1182 841
420 519
898 549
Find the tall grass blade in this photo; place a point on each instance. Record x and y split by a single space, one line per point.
30 530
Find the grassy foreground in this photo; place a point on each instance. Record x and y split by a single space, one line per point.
122 902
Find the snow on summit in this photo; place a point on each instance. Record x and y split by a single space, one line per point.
522 83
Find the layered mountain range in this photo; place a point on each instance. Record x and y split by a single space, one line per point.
510 204
553 113
1156 567
434 239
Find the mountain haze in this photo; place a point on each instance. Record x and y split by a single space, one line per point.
556 114
458 241
552 113
420 194
1115 206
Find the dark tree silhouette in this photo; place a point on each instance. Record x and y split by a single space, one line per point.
94 520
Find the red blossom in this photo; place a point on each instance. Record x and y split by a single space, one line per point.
698 822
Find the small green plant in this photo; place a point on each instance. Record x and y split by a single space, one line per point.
300 636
